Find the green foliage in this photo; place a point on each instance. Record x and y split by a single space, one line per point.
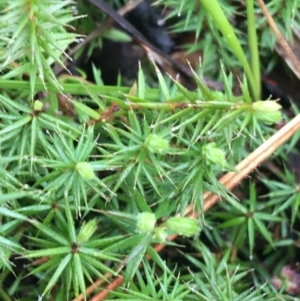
35 39
87 194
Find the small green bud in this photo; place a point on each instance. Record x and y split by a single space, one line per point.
160 234
218 95
86 231
86 170
38 105
183 225
267 111
146 222
157 144
214 155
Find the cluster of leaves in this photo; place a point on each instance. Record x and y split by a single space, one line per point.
72 190
35 39
57 172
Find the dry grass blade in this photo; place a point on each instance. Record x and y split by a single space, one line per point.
281 40
231 179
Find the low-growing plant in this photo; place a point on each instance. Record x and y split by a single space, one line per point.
96 180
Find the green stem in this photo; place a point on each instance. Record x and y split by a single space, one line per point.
252 39
219 18
75 89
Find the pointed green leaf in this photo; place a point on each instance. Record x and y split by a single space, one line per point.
79 273
58 272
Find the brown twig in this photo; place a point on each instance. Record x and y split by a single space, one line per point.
281 40
231 179
110 287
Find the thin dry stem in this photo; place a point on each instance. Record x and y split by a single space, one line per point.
282 41
232 179
110 287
